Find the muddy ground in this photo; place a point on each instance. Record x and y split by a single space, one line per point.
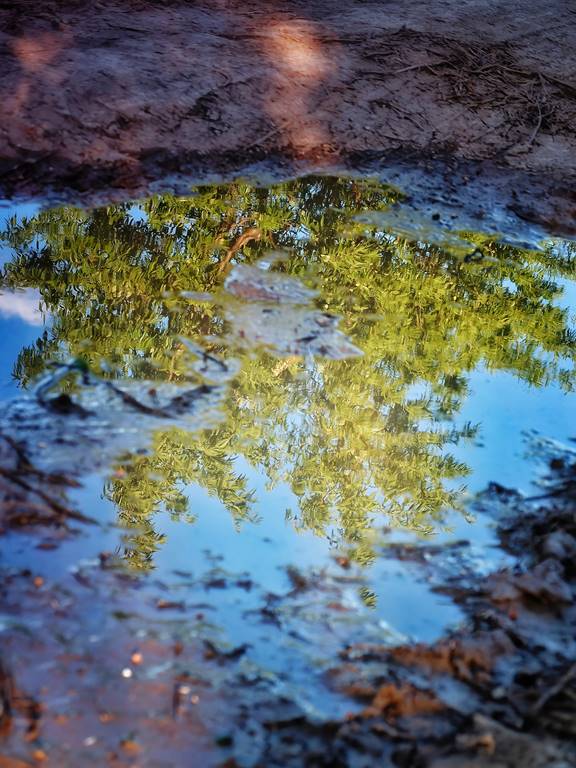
468 104
104 667
112 99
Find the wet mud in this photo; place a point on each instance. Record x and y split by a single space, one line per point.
117 99
100 666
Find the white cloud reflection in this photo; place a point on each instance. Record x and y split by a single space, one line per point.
24 305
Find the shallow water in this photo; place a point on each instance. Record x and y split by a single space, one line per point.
368 375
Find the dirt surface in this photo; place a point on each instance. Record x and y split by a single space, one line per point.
104 100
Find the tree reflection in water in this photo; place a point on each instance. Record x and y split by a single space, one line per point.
354 438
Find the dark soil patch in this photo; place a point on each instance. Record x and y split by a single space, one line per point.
106 100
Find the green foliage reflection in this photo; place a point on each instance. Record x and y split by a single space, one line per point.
352 438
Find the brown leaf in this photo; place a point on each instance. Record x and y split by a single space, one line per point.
545 583
403 701
13 762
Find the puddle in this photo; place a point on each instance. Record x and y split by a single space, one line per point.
256 385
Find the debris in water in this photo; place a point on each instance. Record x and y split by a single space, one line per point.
255 284
289 331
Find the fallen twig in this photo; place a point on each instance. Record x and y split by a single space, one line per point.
536 130
26 466
250 234
555 689
60 509
428 65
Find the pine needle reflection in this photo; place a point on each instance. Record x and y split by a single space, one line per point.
354 438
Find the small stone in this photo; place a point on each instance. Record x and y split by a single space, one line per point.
559 544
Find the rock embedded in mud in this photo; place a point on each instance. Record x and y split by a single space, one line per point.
289 331
254 284
545 582
560 544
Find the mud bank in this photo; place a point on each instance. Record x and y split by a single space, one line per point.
106 101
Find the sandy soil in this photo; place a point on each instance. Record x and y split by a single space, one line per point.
110 97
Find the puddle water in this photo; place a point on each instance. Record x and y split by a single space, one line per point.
249 383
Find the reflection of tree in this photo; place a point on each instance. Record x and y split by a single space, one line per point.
352 438
141 483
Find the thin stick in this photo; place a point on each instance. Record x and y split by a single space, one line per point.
250 234
419 66
553 691
52 503
536 129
